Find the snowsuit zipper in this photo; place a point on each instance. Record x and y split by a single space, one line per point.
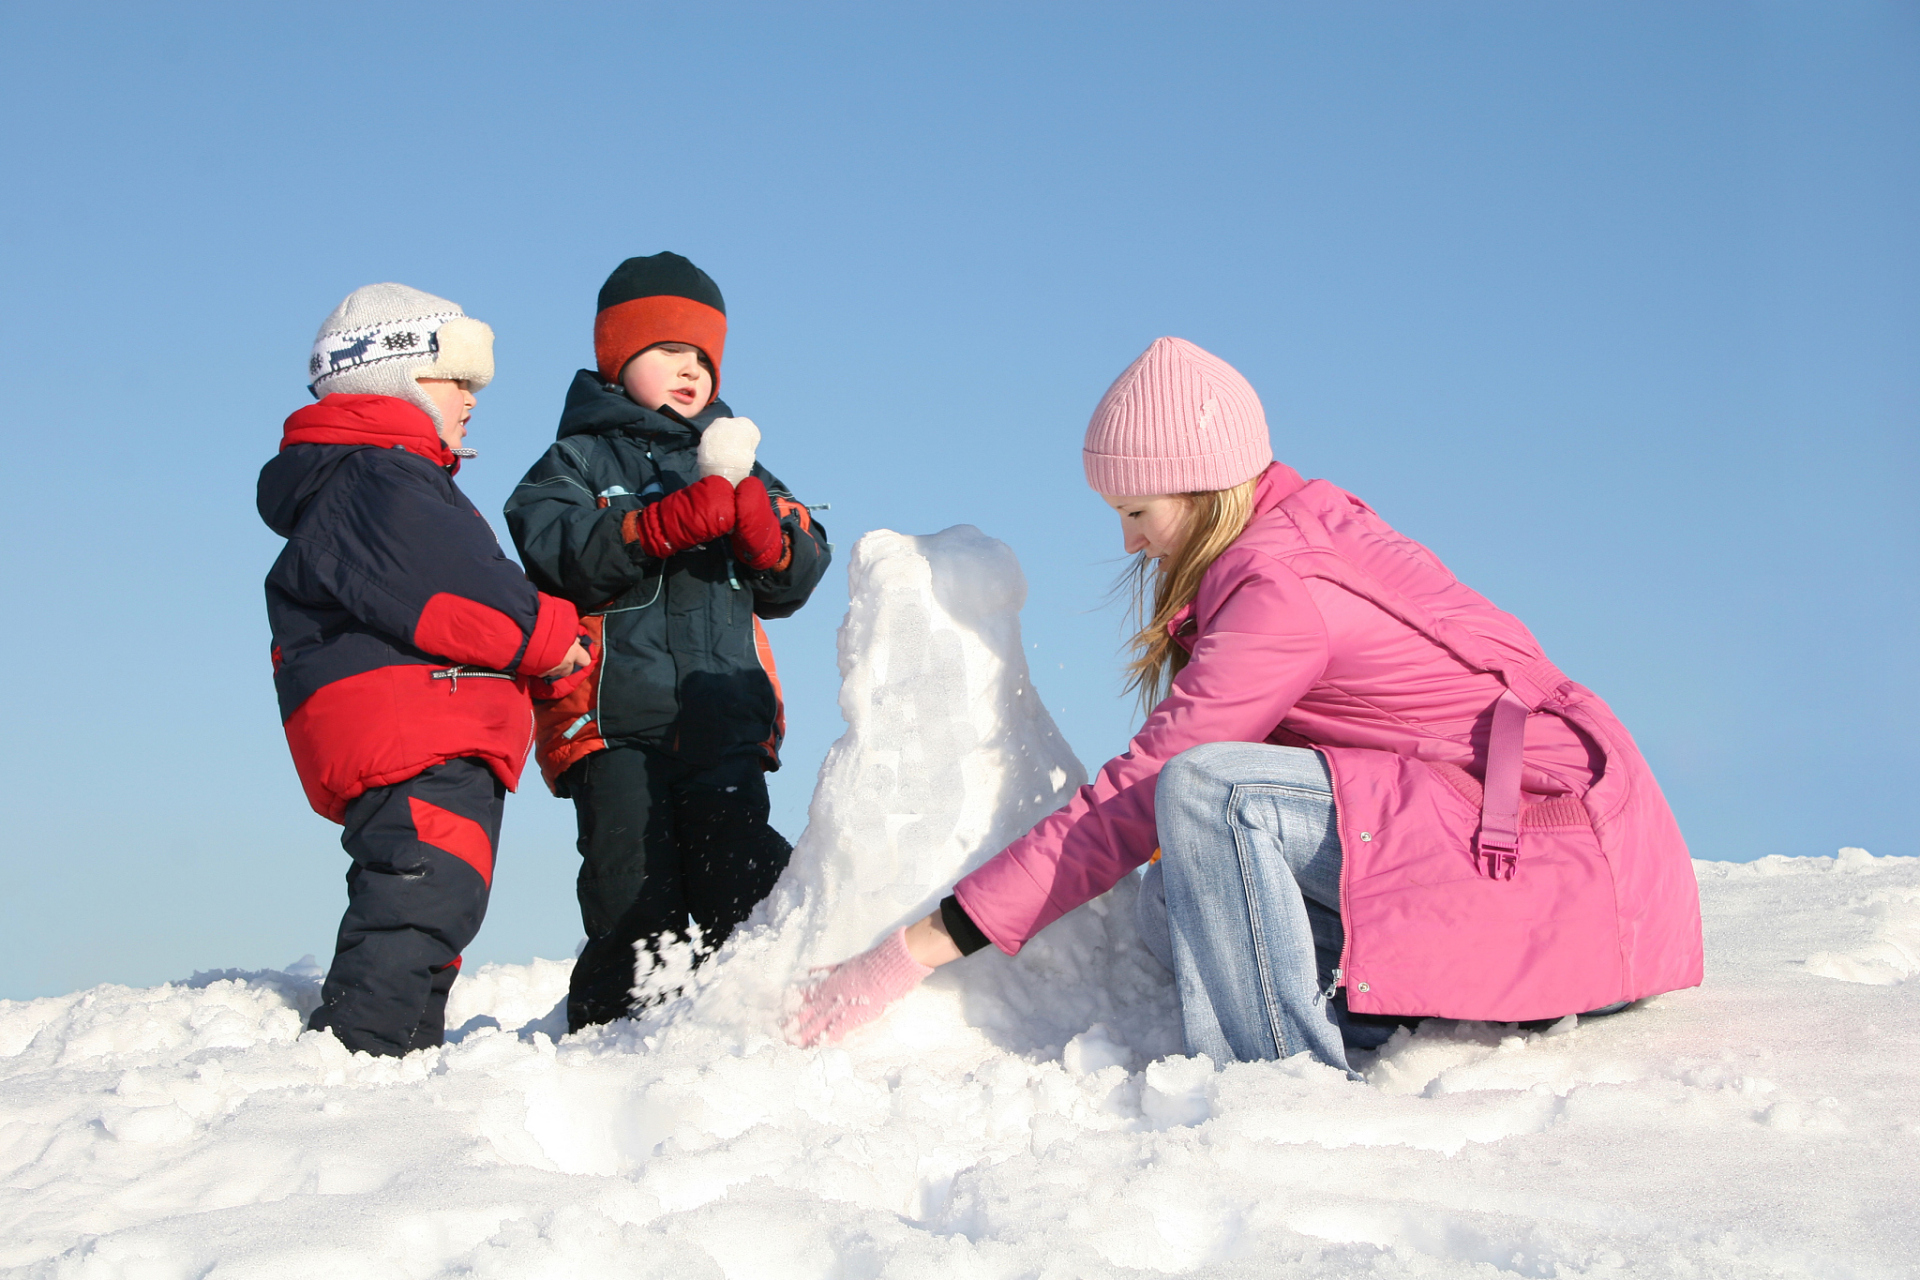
453 674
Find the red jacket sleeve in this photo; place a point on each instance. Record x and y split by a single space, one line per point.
404 552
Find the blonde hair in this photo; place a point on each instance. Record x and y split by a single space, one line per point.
1216 517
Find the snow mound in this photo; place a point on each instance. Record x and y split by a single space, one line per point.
1014 1118
948 755
1886 949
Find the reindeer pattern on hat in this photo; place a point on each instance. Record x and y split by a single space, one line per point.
415 338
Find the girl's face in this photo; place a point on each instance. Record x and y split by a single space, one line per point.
673 374
1155 525
455 404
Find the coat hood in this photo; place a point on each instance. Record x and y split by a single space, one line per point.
1277 483
326 434
592 409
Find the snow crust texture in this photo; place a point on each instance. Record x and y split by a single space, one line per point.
1012 1118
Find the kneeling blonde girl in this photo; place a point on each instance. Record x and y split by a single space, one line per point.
1371 795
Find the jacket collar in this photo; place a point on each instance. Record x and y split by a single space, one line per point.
386 422
595 408
1276 484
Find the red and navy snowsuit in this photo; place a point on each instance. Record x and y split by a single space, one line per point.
404 642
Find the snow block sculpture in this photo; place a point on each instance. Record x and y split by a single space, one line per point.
948 757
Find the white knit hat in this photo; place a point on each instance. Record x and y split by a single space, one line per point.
384 336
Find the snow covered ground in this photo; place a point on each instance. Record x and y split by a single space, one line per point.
1027 1118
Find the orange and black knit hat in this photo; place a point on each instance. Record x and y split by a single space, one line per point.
663 298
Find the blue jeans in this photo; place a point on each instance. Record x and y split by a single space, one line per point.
1250 877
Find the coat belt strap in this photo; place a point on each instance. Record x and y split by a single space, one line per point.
1499 839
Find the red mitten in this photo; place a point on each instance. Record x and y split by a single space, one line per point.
758 540
855 992
698 513
546 690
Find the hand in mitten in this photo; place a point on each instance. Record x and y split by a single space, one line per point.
577 657
855 992
726 448
698 513
569 675
758 540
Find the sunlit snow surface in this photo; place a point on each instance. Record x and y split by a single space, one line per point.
1012 1118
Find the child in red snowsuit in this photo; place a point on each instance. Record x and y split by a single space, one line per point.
404 646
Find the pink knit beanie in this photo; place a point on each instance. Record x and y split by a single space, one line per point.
1179 420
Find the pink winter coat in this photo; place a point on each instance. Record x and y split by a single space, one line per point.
1320 626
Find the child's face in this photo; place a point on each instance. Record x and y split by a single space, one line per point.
673 374
455 404
1155 525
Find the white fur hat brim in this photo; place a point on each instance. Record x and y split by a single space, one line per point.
464 353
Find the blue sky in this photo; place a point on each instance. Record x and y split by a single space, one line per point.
1616 307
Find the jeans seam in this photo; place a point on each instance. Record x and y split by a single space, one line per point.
1275 1024
1314 793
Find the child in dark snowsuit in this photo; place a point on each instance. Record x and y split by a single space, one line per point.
650 514
404 645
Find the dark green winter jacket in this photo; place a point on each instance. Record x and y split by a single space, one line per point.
682 664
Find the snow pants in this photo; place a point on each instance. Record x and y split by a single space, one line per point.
662 840
422 855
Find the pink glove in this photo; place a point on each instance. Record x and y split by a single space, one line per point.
855 992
